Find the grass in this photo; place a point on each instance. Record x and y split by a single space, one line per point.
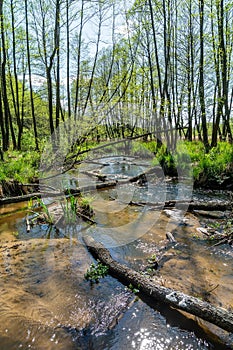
215 166
69 208
84 205
47 216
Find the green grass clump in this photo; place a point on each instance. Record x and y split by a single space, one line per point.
215 165
69 208
45 210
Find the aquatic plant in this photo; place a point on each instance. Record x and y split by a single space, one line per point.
15 234
153 259
69 208
85 207
96 271
153 263
133 288
47 216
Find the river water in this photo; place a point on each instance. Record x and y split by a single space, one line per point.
45 302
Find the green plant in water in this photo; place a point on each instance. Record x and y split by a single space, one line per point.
153 263
85 206
69 208
195 236
15 234
134 289
152 259
47 216
96 271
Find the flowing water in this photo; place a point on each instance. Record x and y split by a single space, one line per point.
45 302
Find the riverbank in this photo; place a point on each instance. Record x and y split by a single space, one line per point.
213 170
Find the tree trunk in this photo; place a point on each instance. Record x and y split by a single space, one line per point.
201 79
216 315
30 77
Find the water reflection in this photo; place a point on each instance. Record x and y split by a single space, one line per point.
143 328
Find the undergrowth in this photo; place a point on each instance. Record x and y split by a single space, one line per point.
215 166
20 166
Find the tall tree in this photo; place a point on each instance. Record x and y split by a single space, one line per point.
201 75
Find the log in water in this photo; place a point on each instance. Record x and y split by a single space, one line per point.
216 315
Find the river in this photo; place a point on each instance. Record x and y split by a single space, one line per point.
46 303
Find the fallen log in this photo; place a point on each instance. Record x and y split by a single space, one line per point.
215 315
67 193
26 197
142 177
192 205
17 199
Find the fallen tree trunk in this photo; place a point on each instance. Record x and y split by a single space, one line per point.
67 193
16 199
26 197
192 205
216 315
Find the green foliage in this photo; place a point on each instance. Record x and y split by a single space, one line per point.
20 166
167 161
134 289
85 206
96 271
15 234
152 259
215 165
47 216
30 204
144 148
85 202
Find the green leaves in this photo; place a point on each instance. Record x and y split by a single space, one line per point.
96 271
134 289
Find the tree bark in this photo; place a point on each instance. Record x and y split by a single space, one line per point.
216 315
201 78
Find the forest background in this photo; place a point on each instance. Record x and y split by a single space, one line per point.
157 69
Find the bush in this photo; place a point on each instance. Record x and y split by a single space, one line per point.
20 166
215 167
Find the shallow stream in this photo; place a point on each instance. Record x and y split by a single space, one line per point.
45 302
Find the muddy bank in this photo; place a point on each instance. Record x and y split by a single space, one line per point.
13 188
223 181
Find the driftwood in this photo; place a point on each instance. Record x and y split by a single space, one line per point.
26 197
120 179
211 215
215 315
141 179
